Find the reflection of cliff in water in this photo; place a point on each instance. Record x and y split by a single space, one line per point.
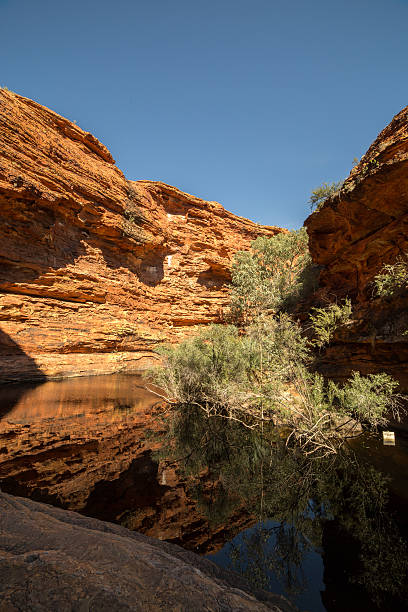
99 446
12 360
86 444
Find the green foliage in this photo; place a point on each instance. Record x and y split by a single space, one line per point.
261 375
209 369
310 416
258 373
392 278
239 376
245 378
326 320
271 276
367 167
368 398
278 344
320 194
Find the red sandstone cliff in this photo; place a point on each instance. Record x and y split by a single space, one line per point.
95 270
352 236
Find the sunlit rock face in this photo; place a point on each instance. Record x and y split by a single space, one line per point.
96 270
351 237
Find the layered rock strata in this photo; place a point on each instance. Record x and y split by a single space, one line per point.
351 237
96 270
52 559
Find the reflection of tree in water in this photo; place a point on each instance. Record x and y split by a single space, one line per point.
266 551
294 499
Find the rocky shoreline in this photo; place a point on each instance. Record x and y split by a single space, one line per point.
53 559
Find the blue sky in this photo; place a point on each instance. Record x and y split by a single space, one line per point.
252 103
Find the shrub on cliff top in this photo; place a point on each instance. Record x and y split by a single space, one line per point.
320 194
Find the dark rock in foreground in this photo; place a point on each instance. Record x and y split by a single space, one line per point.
56 560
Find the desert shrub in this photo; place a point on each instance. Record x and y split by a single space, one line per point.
368 399
392 278
324 412
310 416
326 320
226 373
278 344
369 166
320 194
262 376
269 277
209 369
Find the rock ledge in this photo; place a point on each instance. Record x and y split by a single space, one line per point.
53 559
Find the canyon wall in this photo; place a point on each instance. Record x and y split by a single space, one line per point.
352 235
95 270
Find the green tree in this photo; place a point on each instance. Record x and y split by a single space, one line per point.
239 376
320 194
271 276
368 399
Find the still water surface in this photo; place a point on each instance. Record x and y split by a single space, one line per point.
329 534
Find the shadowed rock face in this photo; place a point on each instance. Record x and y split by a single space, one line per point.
354 233
52 559
352 236
96 270
16 361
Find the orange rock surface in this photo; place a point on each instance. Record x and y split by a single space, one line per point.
96 270
352 236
